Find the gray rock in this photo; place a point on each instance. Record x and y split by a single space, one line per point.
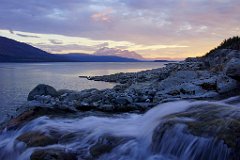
43 99
42 89
96 97
209 94
178 78
65 91
188 89
123 100
226 84
233 68
208 83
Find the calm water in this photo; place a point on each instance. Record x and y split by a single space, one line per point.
17 79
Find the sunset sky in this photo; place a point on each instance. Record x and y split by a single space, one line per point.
153 28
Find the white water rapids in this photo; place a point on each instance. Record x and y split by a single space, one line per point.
136 129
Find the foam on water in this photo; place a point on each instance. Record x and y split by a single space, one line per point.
87 131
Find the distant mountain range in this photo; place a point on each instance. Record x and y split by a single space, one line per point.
14 51
81 57
118 52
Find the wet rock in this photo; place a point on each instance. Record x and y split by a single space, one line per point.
36 112
34 139
209 125
53 154
106 144
42 89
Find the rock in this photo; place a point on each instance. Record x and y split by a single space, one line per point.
176 79
120 88
35 139
208 84
226 84
143 98
95 97
36 112
52 154
233 68
64 91
43 99
123 100
144 106
106 107
87 77
205 125
42 89
106 144
209 94
187 65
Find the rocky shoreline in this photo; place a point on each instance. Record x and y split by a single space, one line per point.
206 78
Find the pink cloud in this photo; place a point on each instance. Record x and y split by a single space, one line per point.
104 16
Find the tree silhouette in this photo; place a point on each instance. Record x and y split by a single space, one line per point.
231 43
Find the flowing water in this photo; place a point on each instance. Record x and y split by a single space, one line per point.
130 136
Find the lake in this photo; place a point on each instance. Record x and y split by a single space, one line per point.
18 79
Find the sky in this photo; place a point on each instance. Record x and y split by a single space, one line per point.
167 29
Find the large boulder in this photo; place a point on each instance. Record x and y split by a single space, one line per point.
106 144
42 89
212 127
233 69
33 139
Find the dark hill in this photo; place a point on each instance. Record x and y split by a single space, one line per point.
219 57
231 44
14 51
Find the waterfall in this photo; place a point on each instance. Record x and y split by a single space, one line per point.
121 137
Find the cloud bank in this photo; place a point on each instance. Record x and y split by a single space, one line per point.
199 24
